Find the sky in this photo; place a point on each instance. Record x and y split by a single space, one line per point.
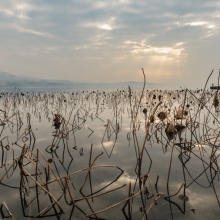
175 42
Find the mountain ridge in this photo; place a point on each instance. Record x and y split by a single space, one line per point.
11 80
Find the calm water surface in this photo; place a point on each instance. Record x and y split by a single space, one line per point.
47 139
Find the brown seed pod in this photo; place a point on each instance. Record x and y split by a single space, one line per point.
50 160
151 119
179 114
170 131
144 111
162 115
179 128
216 101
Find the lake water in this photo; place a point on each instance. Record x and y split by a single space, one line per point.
50 139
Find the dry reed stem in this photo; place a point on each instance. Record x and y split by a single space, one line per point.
45 209
172 195
151 206
145 139
70 194
44 190
7 209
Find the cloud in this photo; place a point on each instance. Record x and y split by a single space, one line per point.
108 24
6 11
121 32
138 48
105 27
99 25
198 23
30 31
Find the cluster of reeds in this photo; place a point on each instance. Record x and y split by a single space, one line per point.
182 122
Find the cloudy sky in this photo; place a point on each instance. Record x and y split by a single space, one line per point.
111 40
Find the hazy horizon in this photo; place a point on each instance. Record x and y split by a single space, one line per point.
110 41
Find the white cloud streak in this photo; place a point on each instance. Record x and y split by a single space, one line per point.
120 32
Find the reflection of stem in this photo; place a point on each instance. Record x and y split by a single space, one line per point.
128 203
25 171
6 207
56 178
171 158
44 210
89 171
103 210
91 132
183 184
151 206
90 181
156 184
15 162
109 183
67 185
93 196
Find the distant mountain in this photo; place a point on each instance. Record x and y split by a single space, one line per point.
6 76
10 80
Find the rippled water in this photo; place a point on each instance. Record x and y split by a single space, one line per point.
46 179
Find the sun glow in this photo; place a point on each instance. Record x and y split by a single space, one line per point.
105 27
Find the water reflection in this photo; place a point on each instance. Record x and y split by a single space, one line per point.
107 154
